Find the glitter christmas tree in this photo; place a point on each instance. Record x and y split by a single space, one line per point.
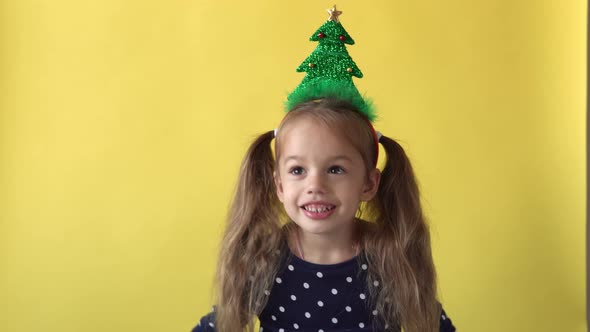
329 68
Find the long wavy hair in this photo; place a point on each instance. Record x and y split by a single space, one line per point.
395 239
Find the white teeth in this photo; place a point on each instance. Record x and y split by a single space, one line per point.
317 209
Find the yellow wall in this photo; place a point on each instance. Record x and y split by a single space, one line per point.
122 124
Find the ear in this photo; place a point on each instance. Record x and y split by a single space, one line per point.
372 185
279 186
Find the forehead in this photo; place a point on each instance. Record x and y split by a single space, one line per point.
307 137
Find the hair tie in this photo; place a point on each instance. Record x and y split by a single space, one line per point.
376 137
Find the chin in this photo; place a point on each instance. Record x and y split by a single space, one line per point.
318 227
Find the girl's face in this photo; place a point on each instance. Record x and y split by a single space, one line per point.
321 177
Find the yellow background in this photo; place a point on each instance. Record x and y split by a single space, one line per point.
122 125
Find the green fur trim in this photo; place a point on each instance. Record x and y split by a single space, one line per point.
320 87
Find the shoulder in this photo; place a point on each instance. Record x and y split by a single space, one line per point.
446 325
206 324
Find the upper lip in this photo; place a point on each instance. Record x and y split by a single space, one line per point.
317 203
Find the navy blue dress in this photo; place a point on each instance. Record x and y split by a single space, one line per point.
319 298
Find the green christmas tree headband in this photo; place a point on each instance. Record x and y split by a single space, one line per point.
330 69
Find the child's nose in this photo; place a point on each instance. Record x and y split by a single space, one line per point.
316 183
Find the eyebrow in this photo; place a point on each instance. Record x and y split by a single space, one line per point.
335 158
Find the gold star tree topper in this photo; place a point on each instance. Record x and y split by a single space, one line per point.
334 13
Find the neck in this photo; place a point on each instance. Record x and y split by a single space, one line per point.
326 248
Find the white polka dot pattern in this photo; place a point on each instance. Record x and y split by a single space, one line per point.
317 298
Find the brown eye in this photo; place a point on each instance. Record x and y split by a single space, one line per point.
296 170
336 170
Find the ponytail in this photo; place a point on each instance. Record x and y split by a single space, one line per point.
399 249
249 255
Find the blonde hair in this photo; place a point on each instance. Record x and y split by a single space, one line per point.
395 241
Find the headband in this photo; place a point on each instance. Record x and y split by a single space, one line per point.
329 70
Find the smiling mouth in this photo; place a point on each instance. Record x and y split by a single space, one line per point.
317 211
318 208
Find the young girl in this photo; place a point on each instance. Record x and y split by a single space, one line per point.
318 238
323 266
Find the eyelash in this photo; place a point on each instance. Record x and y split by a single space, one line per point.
339 170
292 170
332 170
